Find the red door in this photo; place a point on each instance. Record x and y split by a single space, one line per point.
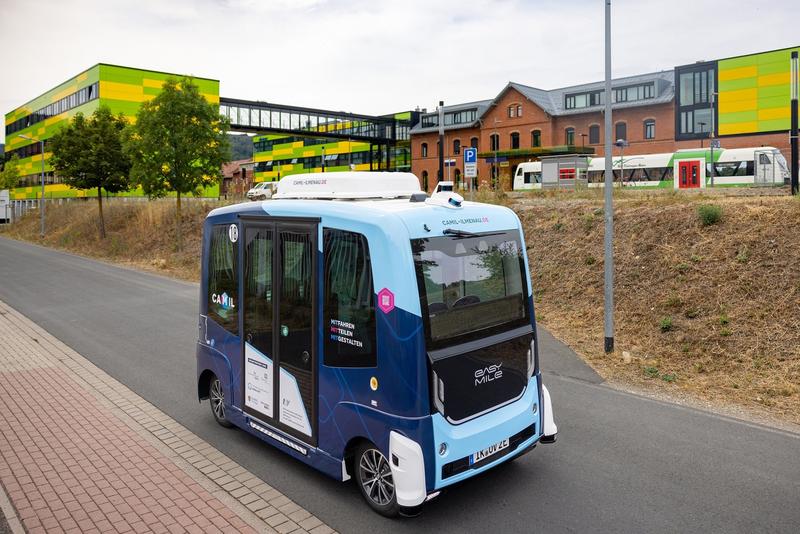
688 174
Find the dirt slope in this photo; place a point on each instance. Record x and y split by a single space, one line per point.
712 310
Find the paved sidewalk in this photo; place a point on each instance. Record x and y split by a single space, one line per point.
80 452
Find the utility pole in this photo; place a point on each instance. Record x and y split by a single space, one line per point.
793 135
496 168
608 238
711 136
441 142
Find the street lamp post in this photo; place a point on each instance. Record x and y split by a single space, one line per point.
711 137
702 131
608 205
583 142
496 167
441 142
323 158
41 203
793 135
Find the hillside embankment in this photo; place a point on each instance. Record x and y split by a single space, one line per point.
709 312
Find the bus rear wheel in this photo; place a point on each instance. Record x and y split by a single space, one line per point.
374 478
216 397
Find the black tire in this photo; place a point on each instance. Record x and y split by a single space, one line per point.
216 398
373 476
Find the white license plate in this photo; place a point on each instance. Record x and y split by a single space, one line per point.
489 451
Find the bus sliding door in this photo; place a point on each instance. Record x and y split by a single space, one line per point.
279 379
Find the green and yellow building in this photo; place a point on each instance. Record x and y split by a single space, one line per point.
277 155
122 89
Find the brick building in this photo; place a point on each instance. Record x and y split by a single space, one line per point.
742 99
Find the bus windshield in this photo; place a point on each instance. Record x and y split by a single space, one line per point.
470 285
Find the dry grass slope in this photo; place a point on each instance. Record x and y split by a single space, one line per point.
140 233
713 310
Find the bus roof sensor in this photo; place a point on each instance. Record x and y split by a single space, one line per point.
348 186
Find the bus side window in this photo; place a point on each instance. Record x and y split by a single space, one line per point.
223 287
349 306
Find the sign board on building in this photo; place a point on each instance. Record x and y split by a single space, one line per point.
715 144
470 162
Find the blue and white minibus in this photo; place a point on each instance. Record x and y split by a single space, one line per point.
373 332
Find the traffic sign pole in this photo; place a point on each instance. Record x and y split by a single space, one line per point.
470 166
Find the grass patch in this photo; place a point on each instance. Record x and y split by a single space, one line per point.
709 214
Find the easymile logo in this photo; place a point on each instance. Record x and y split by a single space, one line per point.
487 374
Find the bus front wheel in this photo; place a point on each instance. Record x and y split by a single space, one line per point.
374 478
216 397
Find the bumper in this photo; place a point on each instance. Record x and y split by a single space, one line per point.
516 422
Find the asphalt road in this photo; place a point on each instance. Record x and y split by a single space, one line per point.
622 463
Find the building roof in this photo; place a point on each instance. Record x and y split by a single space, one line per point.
552 101
232 167
479 105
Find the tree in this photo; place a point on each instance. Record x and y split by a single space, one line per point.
178 144
9 176
87 154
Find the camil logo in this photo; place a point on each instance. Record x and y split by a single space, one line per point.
223 300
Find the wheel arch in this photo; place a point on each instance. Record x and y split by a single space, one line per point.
350 451
204 383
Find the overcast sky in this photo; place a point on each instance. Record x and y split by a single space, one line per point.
375 56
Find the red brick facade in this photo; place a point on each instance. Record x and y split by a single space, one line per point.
496 121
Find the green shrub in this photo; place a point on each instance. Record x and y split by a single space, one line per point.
651 372
666 324
709 214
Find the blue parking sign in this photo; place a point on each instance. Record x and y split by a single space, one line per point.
470 155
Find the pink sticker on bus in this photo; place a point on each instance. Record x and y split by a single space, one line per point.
385 300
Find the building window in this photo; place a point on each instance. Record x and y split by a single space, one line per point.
536 138
424 180
569 136
223 285
494 141
515 140
457 146
349 299
650 129
695 87
473 142
582 100
634 93
519 110
458 177
512 110
621 131
424 149
594 134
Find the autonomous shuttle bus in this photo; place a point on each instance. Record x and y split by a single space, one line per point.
373 332
732 167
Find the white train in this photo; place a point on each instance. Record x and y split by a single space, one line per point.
680 170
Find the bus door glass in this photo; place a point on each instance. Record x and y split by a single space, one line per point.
279 382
